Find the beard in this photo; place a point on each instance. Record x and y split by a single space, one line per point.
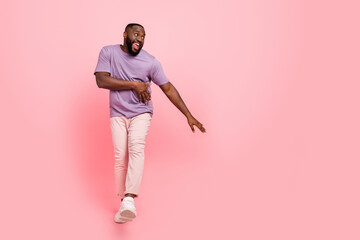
129 47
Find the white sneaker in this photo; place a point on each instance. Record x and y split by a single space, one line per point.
127 208
120 219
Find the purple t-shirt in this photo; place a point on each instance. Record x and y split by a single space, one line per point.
121 65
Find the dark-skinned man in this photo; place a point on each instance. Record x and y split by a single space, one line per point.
127 71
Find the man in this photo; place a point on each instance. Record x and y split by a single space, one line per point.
127 70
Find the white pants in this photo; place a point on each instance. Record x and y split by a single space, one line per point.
128 136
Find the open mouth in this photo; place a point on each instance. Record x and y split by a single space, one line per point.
136 46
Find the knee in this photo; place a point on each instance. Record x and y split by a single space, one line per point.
137 145
119 155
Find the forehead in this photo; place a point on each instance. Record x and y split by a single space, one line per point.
137 29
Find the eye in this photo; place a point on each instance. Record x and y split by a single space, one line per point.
142 38
136 34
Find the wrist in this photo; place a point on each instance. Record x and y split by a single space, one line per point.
188 115
132 85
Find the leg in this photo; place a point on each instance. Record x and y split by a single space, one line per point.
119 135
138 129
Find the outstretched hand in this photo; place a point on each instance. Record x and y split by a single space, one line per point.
192 121
142 91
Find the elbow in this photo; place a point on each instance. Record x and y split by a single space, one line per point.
167 88
99 82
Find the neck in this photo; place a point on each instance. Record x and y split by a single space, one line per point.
124 48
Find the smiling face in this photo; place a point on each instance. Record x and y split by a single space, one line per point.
134 38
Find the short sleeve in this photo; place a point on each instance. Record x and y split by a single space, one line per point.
103 64
157 74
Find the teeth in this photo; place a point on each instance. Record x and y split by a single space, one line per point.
137 44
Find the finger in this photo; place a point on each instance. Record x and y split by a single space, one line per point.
192 127
148 96
144 98
148 92
200 126
140 98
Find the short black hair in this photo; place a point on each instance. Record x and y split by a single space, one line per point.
130 25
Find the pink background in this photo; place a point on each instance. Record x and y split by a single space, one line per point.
276 84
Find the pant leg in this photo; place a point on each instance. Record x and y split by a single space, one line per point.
119 134
138 129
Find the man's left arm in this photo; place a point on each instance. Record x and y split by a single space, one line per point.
174 96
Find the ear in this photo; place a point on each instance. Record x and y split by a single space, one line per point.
125 34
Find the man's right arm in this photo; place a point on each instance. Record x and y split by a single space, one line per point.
103 80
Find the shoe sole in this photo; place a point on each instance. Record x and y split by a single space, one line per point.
120 222
123 220
128 214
